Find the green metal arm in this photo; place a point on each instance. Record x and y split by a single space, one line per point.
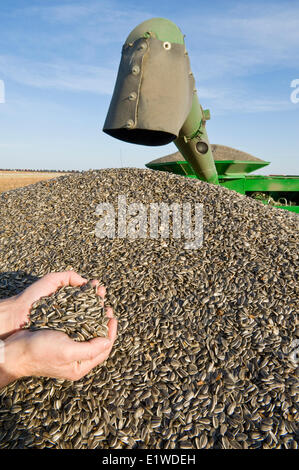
193 143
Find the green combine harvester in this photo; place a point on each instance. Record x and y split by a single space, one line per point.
155 102
233 168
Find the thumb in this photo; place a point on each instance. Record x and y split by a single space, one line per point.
86 350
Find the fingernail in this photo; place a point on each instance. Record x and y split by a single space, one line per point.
106 342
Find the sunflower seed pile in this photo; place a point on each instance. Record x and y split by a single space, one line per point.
207 349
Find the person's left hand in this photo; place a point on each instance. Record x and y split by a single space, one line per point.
15 311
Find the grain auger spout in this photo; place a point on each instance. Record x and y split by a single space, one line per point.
155 101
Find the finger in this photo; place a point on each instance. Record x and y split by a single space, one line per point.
48 284
101 290
112 330
109 312
84 367
67 278
86 350
94 282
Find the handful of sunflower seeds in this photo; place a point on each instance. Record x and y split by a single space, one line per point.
76 311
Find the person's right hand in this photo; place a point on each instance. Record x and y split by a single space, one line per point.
52 353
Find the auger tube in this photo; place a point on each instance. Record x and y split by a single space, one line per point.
155 101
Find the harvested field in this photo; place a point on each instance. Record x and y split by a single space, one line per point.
10 179
207 348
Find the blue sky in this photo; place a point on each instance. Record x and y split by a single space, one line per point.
59 61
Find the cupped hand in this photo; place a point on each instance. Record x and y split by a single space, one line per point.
15 311
50 353
47 352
